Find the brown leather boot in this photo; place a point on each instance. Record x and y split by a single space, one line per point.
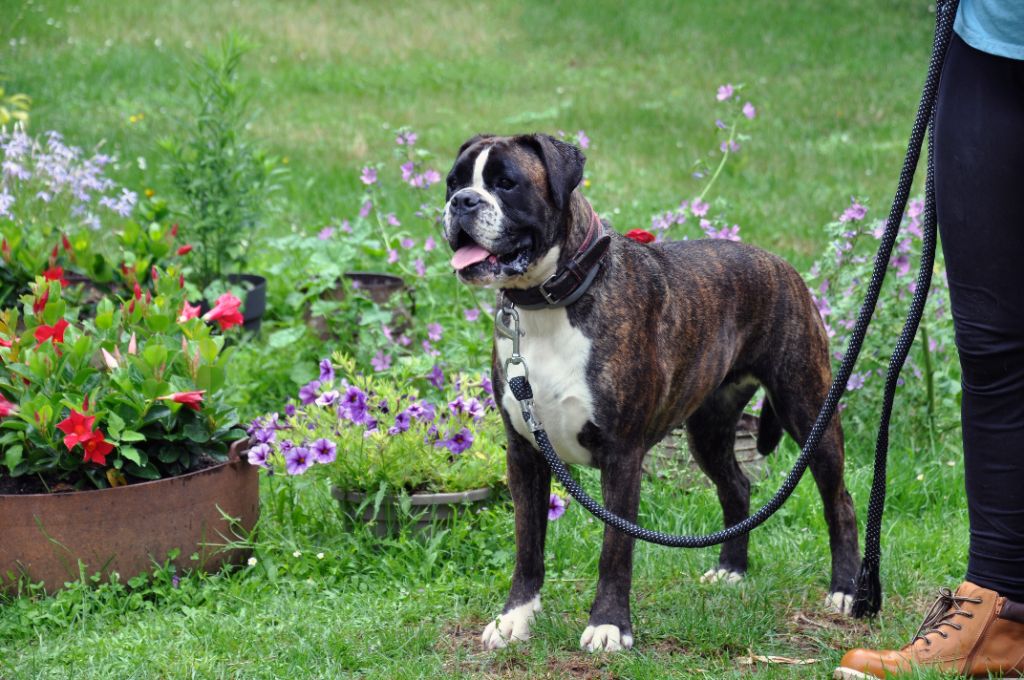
972 632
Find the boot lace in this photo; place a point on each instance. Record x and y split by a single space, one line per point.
942 612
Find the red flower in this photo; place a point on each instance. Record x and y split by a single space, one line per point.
78 428
6 407
39 305
185 249
96 449
137 291
640 235
225 312
66 243
54 332
174 230
5 249
6 343
55 274
190 399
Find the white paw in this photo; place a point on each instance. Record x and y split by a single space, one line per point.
605 638
721 576
512 626
840 602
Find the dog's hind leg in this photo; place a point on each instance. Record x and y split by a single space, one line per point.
798 414
711 432
529 481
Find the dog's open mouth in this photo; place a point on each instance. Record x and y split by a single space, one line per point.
473 261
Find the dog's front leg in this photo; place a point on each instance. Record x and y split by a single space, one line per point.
609 628
529 480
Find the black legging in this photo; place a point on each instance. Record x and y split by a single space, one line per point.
979 167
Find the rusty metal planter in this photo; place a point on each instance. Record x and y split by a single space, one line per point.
128 529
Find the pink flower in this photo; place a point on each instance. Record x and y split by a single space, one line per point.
471 314
381 361
392 220
188 312
366 208
855 212
429 244
226 312
369 176
421 268
434 331
6 407
724 92
582 139
699 207
191 399
749 111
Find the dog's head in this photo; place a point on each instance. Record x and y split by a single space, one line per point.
507 208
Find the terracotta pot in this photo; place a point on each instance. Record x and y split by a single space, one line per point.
426 511
129 529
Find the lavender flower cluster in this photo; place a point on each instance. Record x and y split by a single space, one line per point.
51 172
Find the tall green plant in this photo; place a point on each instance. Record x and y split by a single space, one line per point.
223 180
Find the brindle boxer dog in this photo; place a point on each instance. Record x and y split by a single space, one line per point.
624 342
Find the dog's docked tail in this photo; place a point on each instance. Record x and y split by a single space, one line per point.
769 430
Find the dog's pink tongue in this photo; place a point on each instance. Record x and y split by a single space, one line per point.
467 255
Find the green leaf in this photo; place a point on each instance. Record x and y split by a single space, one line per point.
286 337
12 457
155 355
132 454
197 432
115 425
132 436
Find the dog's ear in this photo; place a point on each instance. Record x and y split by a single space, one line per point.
564 164
471 141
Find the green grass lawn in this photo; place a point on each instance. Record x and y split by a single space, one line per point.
835 85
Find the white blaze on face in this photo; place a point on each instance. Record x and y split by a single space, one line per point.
486 229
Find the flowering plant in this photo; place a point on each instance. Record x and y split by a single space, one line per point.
837 280
368 433
51 198
133 394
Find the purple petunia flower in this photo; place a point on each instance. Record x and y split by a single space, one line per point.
422 411
258 454
458 442
402 422
326 371
436 377
485 384
353 405
264 435
434 331
308 392
324 450
298 460
328 398
856 381
556 506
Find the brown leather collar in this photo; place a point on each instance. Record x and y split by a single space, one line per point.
572 279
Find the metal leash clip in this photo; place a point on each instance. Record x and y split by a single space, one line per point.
513 333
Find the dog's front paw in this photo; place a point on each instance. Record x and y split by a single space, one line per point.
605 638
840 602
512 626
721 576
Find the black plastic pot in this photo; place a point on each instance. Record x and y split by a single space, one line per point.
254 300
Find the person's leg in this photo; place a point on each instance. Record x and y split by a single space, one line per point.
979 191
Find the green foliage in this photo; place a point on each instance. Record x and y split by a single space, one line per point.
13 106
224 181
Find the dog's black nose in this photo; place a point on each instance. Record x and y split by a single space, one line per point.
465 201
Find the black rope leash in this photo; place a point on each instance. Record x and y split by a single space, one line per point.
868 592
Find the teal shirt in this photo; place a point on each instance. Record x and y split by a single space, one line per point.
993 26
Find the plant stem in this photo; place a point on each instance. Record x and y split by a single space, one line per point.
721 163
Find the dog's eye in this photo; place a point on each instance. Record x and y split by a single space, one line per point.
505 183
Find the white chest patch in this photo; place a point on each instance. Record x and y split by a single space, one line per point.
557 355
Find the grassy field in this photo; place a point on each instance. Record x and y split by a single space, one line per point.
835 85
